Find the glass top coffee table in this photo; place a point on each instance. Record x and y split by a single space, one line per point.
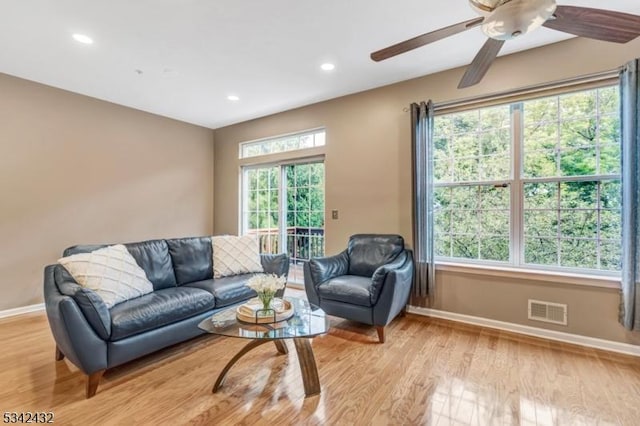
307 322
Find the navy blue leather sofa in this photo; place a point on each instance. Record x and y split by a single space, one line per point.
96 338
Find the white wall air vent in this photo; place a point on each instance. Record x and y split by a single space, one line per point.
555 313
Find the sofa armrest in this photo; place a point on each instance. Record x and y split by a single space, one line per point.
73 335
394 293
91 305
275 264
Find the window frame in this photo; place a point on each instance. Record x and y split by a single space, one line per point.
299 155
516 183
278 138
282 189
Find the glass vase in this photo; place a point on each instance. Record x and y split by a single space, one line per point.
266 299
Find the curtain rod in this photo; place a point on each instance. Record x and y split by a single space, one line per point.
584 79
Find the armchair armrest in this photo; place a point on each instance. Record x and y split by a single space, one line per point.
380 275
394 293
322 269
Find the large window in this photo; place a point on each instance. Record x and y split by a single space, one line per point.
534 183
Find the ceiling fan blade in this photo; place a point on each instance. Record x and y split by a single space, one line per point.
599 24
424 39
481 63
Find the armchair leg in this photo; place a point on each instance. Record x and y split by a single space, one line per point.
59 354
92 383
380 330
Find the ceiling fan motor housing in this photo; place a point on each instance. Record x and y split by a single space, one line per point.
517 17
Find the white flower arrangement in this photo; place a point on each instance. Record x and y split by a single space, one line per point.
266 285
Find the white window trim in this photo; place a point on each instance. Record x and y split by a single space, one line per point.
559 277
305 132
300 155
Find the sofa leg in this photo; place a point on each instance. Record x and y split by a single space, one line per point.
92 383
380 330
59 354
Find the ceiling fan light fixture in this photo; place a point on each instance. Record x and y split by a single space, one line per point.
517 17
485 7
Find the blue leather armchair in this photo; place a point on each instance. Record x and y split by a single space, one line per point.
369 282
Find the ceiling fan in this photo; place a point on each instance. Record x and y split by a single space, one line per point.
504 20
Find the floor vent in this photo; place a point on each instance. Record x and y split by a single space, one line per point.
555 313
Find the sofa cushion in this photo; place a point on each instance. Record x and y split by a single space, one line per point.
153 256
111 272
368 252
192 259
227 290
347 288
157 309
234 255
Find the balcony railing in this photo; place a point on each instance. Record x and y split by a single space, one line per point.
302 243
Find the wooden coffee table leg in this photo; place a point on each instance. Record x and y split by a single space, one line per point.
281 346
251 345
307 366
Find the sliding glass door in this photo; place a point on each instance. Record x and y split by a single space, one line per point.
284 205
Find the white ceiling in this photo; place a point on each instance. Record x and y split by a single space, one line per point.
194 53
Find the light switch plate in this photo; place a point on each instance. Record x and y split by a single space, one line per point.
334 214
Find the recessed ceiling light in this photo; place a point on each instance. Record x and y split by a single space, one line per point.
328 67
233 98
81 38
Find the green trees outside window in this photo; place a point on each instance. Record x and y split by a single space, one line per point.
531 183
284 206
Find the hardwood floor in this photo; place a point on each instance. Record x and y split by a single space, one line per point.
429 371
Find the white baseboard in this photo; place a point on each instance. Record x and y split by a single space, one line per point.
22 310
591 342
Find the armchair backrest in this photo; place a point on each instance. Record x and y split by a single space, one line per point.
367 252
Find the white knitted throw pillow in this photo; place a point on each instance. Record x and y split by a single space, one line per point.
235 255
111 272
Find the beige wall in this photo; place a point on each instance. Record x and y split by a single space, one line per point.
368 165
591 311
78 170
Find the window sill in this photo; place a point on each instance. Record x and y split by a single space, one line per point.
532 275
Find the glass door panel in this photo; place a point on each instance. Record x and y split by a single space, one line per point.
261 212
305 215
284 206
